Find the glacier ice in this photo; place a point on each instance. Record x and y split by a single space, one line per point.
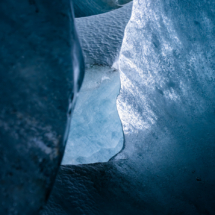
95 132
40 54
167 108
93 7
101 35
175 66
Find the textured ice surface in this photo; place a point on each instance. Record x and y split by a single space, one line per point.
96 131
93 7
167 71
167 108
101 35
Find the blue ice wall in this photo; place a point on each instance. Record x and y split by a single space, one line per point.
95 131
167 73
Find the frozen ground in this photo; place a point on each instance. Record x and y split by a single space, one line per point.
96 131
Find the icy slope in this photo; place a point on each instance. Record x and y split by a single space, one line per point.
95 111
101 35
166 105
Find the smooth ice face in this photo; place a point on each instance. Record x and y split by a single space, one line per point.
95 131
41 67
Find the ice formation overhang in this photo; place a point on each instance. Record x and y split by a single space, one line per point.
166 105
93 7
41 67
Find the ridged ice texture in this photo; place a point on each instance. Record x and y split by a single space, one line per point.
95 131
101 35
167 108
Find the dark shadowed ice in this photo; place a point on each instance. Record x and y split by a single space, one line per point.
41 69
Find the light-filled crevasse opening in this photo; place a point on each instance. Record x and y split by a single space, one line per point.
95 132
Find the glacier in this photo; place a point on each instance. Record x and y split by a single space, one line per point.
95 111
167 108
166 105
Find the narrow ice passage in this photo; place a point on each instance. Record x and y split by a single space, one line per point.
96 131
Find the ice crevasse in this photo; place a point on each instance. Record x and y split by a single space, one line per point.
166 106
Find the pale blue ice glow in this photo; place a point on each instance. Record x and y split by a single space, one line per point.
96 131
